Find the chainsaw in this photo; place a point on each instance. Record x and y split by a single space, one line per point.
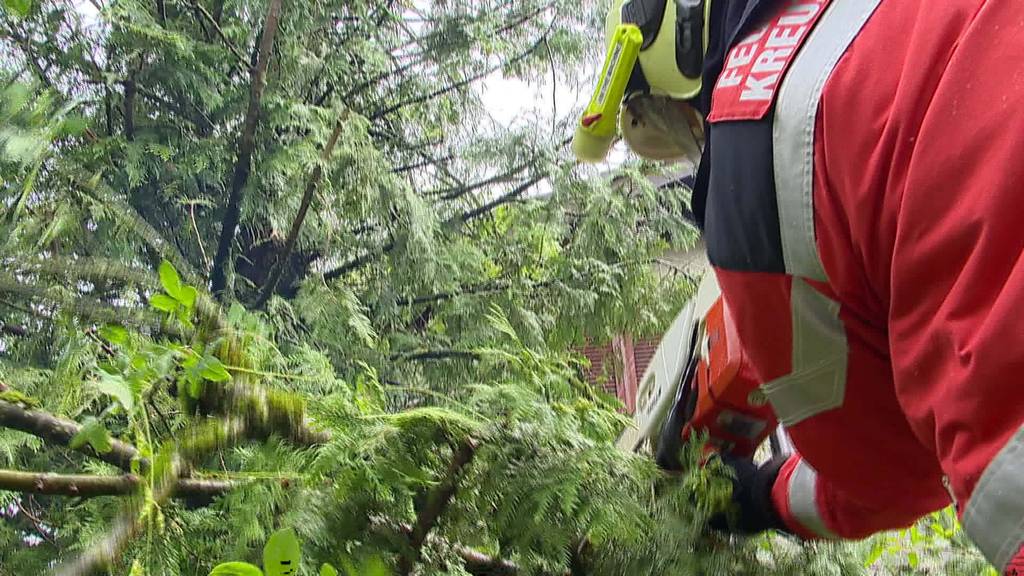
694 384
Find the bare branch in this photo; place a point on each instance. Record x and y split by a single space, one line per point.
214 23
456 85
92 486
510 196
246 145
435 505
435 355
359 261
60 432
300 217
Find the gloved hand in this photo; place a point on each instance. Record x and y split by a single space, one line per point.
752 510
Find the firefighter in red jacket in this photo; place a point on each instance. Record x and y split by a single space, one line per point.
861 195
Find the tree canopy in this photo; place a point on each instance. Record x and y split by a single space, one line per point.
273 264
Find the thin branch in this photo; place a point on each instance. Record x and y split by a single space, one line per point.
300 217
247 144
359 261
199 237
458 192
458 220
435 355
435 504
205 124
509 196
474 290
456 85
214 22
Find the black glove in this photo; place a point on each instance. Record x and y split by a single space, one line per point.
753 511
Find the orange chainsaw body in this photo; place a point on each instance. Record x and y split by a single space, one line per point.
729 405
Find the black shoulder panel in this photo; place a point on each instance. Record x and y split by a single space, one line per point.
741 214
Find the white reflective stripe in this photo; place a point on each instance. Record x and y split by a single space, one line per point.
795 115
817 382
994 518
803 501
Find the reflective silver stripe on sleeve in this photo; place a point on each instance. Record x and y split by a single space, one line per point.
994 518
795 115
817 382
803 501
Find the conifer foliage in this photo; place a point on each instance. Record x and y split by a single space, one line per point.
271 264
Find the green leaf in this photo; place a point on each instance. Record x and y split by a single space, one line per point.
281 555
94 434
170 280
913 559
163 302
236 569
211 368
114 385
114 334
187 297
328 570
18 7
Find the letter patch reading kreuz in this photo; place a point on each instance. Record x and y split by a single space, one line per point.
754 67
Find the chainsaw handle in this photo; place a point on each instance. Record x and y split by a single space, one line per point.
670 439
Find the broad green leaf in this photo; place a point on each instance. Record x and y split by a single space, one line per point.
94 434
236 569
913 559
114 334
213 369
281 555
170 280
114 385
187 297
18 7
328 570
163 302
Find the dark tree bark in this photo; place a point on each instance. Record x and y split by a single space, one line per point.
435 504
60 432
91 486
246 146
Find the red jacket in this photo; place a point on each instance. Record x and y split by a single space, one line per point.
865 217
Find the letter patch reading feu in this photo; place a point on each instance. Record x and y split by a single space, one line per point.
754 67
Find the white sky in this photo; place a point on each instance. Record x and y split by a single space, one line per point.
512 101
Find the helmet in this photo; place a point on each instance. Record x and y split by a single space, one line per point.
675 38
655 50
